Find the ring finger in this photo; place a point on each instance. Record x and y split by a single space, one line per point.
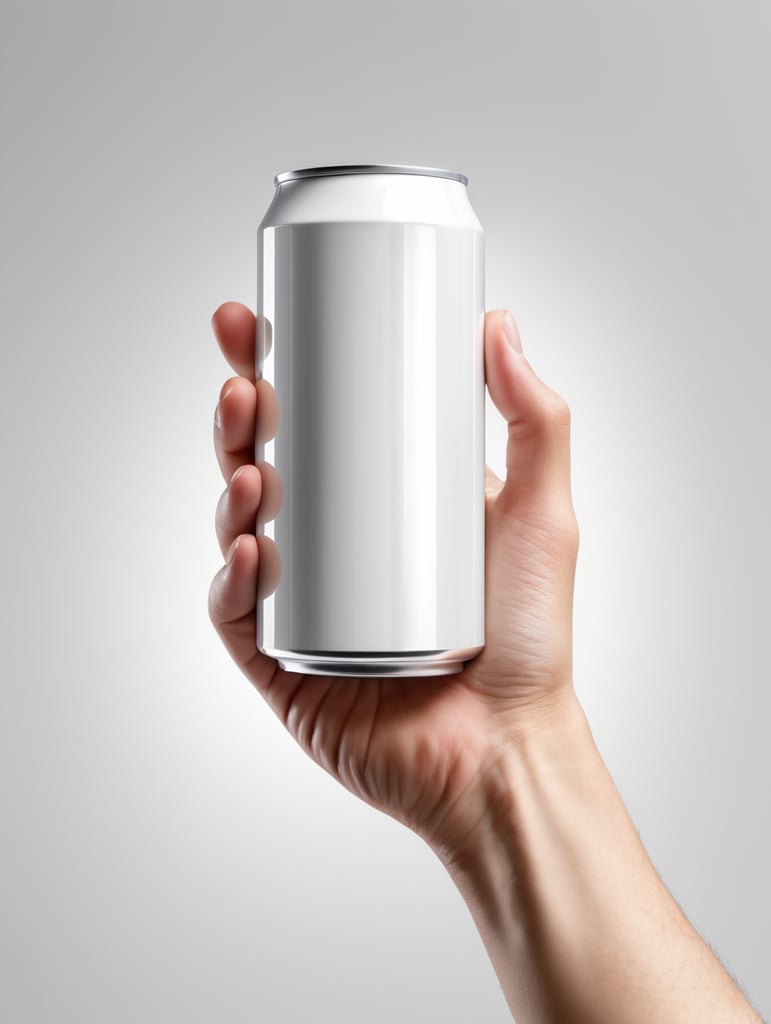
234 425
252 497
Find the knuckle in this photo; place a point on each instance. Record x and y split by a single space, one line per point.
558 411
568 532
550 412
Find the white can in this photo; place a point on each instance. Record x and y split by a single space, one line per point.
370 328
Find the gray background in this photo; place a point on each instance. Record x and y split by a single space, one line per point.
167 854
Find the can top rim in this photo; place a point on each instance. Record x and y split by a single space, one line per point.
319 172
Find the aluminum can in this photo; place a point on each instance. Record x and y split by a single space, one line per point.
370 323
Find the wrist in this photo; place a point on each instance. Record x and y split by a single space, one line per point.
499 861
550 739
577 922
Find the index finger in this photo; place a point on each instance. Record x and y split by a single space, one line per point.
234 328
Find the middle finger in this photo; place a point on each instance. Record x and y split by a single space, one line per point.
234 425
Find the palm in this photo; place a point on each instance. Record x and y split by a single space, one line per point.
410 745
393 742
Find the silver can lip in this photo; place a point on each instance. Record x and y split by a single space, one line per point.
320 172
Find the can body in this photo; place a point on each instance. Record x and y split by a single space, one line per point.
370 328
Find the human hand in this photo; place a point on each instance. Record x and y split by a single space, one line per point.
417 748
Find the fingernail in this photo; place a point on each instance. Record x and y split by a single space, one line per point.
511 332
232 551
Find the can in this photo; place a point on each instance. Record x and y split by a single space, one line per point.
370 324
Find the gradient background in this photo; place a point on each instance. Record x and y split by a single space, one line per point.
167 853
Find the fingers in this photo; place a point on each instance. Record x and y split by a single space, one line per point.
237 426
251 572
246 413
232 609
234 327
237 508
538 450
235 421
493 483
252 497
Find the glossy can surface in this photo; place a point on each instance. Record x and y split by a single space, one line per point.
370 327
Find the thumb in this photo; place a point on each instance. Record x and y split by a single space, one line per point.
538 448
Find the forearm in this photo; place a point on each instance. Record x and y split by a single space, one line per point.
577 923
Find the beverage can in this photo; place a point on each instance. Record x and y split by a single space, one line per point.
370 323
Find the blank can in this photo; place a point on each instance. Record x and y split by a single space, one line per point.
370 322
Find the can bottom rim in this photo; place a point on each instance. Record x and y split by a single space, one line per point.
391 664
357 669
376 669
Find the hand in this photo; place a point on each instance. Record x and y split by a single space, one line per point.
417 748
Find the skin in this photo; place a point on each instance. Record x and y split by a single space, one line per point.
412 747
494 767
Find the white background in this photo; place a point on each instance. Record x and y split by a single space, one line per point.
167 853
